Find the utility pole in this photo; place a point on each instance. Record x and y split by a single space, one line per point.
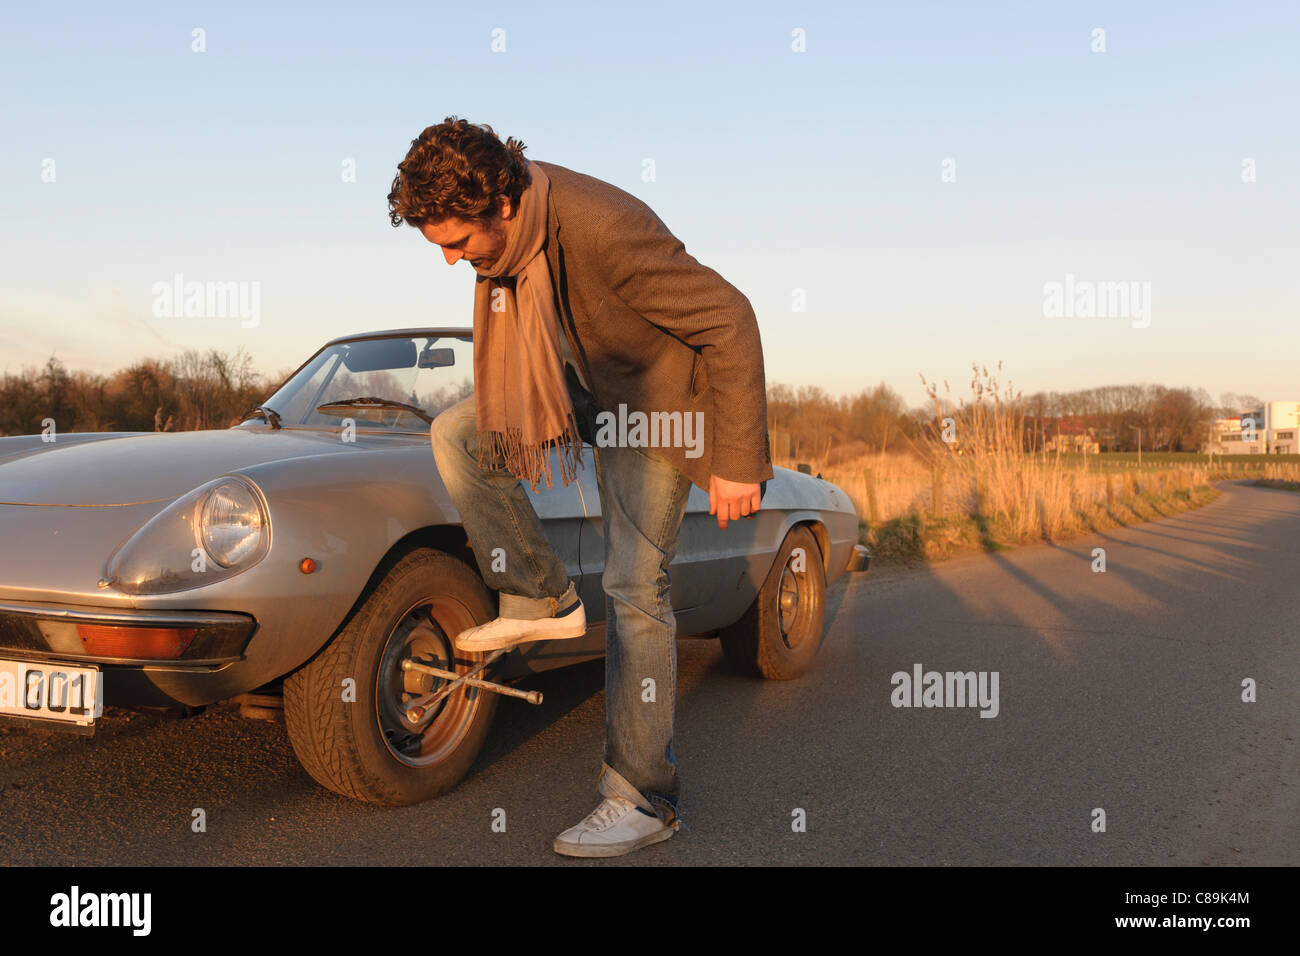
1139 431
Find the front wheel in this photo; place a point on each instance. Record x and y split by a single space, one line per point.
345 710
780 633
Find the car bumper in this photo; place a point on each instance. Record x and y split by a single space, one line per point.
859 559
47 632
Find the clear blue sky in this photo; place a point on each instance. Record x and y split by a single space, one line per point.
817 170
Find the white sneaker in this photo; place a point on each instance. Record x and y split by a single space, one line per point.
508 631
615 827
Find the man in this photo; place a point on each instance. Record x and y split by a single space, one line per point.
585 302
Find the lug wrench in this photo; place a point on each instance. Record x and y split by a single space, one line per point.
417 710
532 696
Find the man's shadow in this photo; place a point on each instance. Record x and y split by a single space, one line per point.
565 689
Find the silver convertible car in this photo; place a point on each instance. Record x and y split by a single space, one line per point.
312 550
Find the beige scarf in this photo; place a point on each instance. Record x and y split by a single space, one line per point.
520 394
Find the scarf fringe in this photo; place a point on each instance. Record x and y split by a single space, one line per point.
532 462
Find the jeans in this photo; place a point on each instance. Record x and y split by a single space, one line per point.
643 501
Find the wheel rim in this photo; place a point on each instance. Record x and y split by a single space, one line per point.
796 603
424 634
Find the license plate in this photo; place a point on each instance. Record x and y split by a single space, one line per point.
50 692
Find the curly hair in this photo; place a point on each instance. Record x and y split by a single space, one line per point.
457 169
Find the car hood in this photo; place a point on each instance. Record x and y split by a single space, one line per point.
140 468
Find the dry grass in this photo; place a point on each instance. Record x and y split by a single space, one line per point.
1290 483
984 490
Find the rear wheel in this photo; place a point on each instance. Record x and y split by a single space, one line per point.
780 633
345 709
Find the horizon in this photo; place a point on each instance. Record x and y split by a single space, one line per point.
271 378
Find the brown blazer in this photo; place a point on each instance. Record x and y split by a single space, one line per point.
654 329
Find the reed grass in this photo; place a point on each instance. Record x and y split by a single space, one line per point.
971 482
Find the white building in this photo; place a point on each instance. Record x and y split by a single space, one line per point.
1271 429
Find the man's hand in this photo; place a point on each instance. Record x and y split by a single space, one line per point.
730 500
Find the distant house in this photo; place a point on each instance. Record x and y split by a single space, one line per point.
1271 429
1072 444
1069 436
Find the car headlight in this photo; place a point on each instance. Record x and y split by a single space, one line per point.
232 523
214 532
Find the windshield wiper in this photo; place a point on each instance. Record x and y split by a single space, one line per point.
371 402
263 411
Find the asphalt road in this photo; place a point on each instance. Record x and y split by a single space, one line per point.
1119 690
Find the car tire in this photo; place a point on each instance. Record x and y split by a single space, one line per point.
361 744
778 644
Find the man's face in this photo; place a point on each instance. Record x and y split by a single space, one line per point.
465 239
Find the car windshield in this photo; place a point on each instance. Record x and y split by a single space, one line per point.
428 372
